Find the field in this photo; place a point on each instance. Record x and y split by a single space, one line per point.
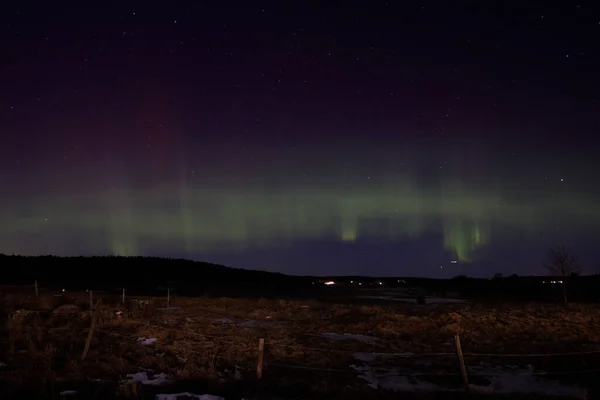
311 349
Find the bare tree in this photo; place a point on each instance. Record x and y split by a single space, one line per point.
561 261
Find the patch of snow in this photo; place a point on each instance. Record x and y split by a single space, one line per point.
252 323
443 300
350 336
510 379
68 393
146 341
152 380
119 312
504 380
187 396
391 380
188 319
412 300
97 380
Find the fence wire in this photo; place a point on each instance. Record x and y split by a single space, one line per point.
275 344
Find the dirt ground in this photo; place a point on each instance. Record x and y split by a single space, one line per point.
309 346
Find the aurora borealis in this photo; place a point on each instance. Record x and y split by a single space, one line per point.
189 220
302 144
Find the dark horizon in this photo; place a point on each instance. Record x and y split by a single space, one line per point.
371 139
60 269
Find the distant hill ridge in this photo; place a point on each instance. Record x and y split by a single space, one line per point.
128 270
152 273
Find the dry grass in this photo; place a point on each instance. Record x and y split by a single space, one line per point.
43 339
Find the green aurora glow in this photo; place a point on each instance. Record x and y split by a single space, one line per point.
201 220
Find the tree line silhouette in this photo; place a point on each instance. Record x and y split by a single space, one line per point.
198 278
119 271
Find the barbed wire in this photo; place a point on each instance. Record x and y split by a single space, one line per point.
368 370
271 343
380 354
387 373
433 374
525 355
231 337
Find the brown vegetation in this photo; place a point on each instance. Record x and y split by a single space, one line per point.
215 340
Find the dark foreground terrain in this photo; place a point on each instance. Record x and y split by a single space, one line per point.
312 349
384 338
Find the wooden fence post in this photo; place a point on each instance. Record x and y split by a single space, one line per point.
11 333
88 341
261 354
131 389
37 293
168 297
123 297
461 362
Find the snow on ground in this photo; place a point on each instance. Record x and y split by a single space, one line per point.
428 300
503 380
510 379
146 341
251 323
350 336
149 378
187 396
68 393
443 300
390 380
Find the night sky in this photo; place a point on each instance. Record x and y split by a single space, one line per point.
381 138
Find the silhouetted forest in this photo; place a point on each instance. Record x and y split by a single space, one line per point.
110 272
152 274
